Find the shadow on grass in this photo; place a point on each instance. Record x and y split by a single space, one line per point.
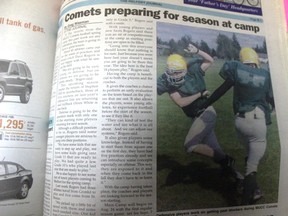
200 173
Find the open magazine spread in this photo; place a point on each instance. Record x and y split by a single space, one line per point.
127 107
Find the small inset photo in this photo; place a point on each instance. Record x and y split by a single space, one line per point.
15 80
15 180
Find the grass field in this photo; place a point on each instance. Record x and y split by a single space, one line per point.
188 181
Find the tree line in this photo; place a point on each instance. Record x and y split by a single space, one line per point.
226 48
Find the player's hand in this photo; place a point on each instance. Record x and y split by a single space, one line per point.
191 49
205 93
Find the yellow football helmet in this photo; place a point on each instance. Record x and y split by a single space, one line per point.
249 56
176 69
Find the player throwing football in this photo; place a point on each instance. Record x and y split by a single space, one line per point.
252 96
185 84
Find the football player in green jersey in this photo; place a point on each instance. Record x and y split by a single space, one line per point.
252 104
185 84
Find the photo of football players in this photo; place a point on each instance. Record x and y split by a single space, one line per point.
252 105
185 84
208 160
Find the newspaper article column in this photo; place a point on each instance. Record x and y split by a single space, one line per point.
128 123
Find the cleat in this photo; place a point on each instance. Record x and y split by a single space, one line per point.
230 162
227 162
258 194
238 175
250 190
239 186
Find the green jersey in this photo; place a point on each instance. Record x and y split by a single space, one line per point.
194 81
252 86
193 84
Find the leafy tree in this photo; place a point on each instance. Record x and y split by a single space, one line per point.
228 48
213 52
236 47
204 47
184 41
159 41
264 47
173 46
224 47
261 49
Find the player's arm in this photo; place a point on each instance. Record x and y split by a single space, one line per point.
207 59
219 92
185 101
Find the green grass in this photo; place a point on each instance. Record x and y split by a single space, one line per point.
188 181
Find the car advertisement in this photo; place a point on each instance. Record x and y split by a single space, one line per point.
28 38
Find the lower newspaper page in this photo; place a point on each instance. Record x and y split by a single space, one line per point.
28 32
133 125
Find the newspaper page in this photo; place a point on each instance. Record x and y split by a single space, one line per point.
28 37
119 142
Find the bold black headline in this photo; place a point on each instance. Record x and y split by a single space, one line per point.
159 15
